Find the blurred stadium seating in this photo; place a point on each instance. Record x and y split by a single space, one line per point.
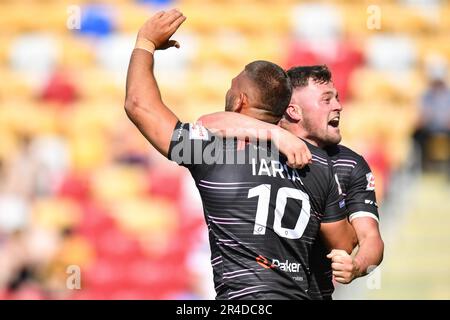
80 186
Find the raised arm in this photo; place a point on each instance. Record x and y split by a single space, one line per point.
143 103
232 124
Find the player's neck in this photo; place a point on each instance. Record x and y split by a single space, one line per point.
260 114
299 132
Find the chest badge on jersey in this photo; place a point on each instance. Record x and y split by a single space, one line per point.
370 181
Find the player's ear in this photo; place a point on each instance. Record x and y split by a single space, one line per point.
241 102
294 112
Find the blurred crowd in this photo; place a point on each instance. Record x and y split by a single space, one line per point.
79 185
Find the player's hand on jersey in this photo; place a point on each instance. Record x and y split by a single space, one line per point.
295 149
343 266
159 28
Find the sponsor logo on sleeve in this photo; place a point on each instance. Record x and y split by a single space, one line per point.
370 181
370 202
197 132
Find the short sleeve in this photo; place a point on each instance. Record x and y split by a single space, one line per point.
192 145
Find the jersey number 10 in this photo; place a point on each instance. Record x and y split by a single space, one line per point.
262 212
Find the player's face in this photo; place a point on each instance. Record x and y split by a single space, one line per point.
321 112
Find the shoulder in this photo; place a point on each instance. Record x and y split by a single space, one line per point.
341 151
344 155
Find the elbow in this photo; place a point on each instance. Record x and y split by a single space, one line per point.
212 123
206 121
381 245
203 119
132 106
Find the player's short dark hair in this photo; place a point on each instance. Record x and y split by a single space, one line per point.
273 85
300 75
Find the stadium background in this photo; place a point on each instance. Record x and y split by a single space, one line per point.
79 186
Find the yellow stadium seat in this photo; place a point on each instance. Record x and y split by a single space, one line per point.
55 213
96 83
5 44
88 151
433 44
9 143
98 115
76 52
146 215
29 117
154 221
76 250
119 182
15 85
366 85
132 17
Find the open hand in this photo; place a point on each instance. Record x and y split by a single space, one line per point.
159 28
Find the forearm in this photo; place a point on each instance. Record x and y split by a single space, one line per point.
141 83
143 103
236 125
370 254
231 124
345 267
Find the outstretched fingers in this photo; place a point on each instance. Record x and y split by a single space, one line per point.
177 22
171 16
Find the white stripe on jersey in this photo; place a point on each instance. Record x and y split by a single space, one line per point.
238 275
225 188
222 222
344 160
219 285
228 244
343 165
216 263
232 294
241 294
224 183
320 158
219 218
360 214
243 270
319 161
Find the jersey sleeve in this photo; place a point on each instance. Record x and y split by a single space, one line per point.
335 204
193 145
360 198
